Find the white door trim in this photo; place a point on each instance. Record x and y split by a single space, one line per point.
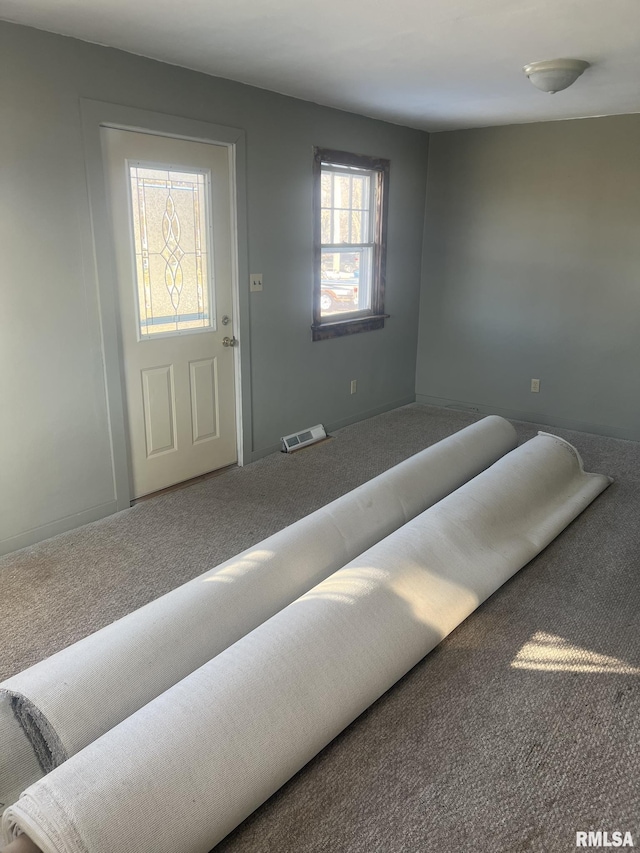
97 114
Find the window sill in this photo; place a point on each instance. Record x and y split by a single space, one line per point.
353 326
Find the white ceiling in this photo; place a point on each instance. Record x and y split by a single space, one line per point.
429 64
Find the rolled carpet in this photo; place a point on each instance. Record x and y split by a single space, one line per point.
57 707
182 772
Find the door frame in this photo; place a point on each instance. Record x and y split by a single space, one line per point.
94 116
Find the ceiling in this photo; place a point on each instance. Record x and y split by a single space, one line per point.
433 65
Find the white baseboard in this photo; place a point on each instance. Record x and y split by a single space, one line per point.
61 525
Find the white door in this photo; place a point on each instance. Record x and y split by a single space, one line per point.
171 214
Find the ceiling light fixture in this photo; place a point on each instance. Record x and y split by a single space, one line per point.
553 75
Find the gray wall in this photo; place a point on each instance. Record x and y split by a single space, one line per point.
532 270
55 458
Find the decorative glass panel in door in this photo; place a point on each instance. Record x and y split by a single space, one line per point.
172 249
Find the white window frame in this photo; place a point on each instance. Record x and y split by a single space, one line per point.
372 317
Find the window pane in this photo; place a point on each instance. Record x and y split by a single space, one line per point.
325 186
341 222
358 234
171 250
341 190
345 281
364 273
360 186
325 226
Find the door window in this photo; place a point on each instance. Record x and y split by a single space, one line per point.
173 263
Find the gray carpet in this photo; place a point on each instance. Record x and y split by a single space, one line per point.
520 729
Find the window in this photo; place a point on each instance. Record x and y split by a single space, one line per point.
350 212
172 256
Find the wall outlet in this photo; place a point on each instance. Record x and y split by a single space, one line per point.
535 386
255 282
354 386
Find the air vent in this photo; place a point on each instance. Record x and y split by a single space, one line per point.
301 439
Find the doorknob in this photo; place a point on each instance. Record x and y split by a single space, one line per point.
230 342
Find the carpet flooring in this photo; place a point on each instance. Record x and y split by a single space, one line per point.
519 730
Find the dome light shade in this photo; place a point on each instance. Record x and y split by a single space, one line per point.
553 75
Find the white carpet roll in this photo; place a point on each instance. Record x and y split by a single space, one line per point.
183 771
57 707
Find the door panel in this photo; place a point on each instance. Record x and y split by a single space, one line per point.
204 399
171 216
158 397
